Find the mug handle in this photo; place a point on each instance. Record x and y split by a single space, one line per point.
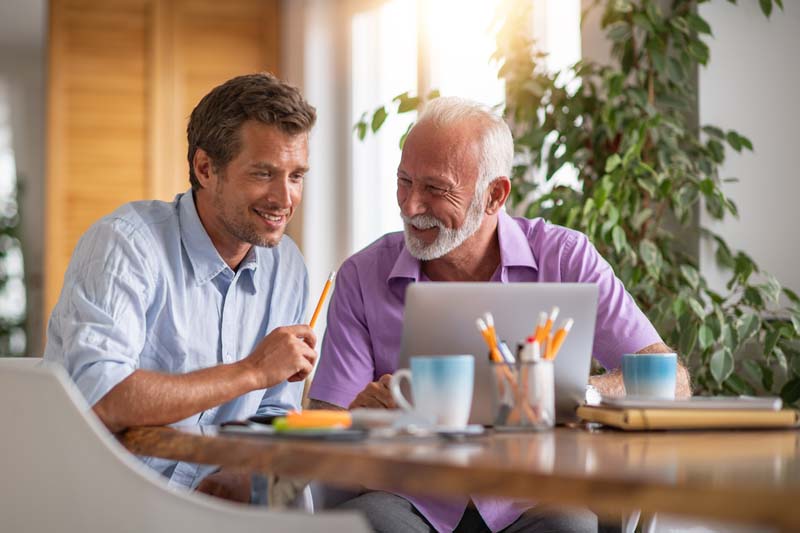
397 394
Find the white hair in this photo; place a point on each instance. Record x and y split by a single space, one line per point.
497 144
496 158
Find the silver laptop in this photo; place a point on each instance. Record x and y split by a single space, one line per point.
439 319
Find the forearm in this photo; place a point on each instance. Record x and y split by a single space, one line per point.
611 384
147 398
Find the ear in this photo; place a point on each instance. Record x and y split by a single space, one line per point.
203 168
499 190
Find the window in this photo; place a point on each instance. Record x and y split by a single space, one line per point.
410 45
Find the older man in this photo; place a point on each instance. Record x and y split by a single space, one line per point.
452 183
187 312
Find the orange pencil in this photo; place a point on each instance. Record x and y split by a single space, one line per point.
558 338
545 331
321 301
540 325
488 337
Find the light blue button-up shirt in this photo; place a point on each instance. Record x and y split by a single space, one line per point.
146 288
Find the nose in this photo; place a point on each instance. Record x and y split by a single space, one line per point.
411 201
280 193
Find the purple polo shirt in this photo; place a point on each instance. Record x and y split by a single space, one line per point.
365 322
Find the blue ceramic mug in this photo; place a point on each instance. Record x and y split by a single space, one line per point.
441 387
650 375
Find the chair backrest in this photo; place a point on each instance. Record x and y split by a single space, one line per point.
61 470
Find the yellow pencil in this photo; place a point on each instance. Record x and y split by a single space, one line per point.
321 301
489 340
558 338
545 331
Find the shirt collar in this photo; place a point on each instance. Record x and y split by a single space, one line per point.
515 250
206 261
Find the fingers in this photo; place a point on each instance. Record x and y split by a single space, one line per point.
301 331
375 395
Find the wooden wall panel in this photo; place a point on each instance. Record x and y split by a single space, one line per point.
123 77
211 42
97 131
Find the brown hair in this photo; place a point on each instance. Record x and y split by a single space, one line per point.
215 122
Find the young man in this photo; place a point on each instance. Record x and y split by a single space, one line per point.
190 312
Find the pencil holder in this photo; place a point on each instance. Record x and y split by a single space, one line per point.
523 395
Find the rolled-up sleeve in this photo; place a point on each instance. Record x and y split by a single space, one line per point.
98 326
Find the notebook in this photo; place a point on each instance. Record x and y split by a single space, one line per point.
631 418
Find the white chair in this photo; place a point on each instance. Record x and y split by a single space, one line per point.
61 470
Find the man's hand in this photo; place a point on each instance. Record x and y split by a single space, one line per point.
376 395
287 353
228 485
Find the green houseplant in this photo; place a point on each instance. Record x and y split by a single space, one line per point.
644 170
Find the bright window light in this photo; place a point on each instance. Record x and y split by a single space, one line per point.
384 64
419 45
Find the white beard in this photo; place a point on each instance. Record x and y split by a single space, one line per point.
447 239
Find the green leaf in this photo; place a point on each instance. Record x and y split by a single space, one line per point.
361 130
612 163
790 392
767 376
619 32
378 118
674 71
766 7
649 253
406 103
697 308
698 23
796 323
730 337
772 288
618 236
641 20
796 365
780 358
688 339
678 305
404 135
770 341
721 365
748 325
714 131
791 295
699 51
753 368
659 60
680 24
780 4
638 219
691 275
746 143
705 336
733 140
738 385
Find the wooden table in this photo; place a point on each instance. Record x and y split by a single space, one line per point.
746 476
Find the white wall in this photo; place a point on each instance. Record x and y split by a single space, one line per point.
315 57
752 85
